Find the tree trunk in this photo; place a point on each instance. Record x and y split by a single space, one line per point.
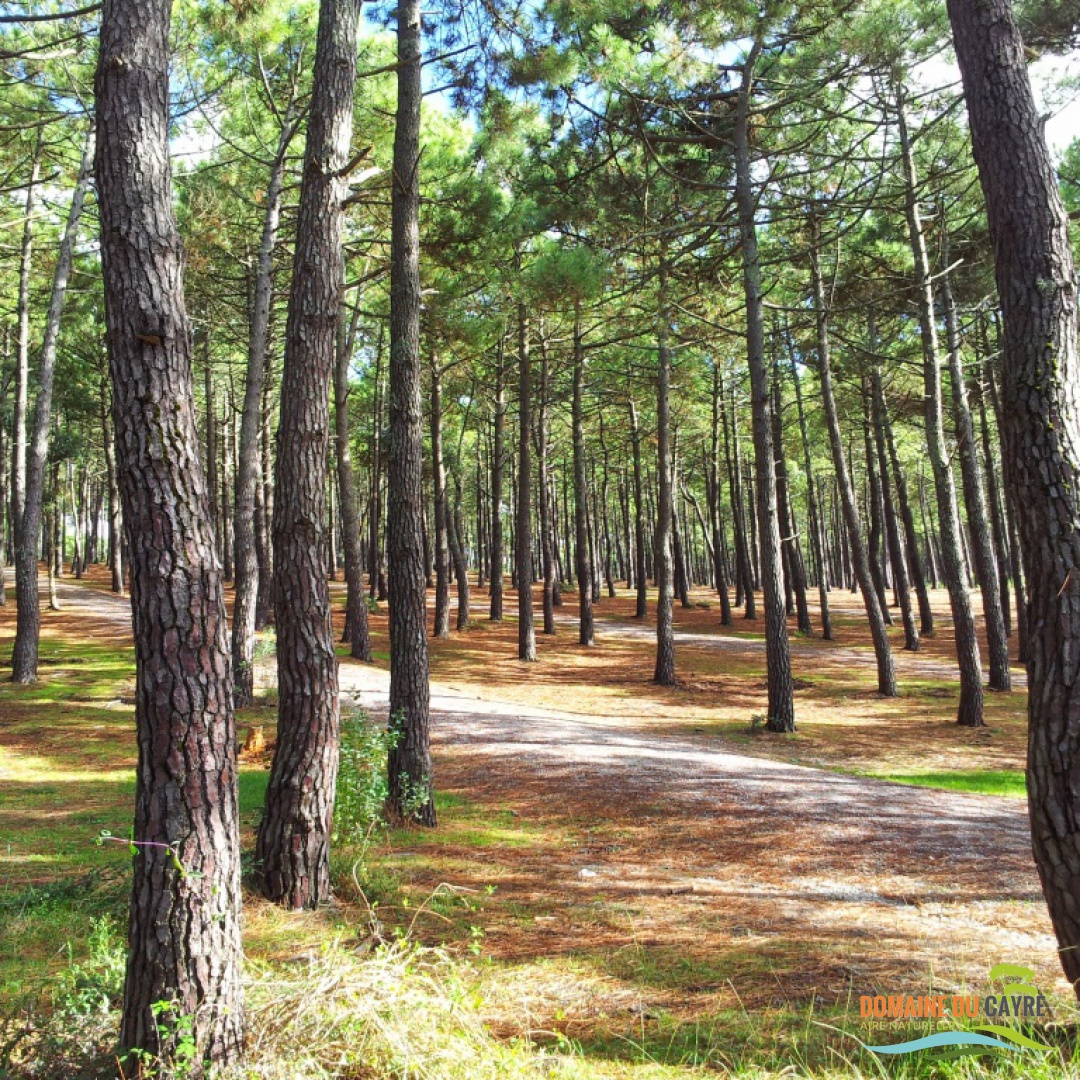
817 526
495 589
583 564
664 673
1023 611
210 454
969 711
781 714
640 573
719 567
249 472
293 845
547 527
896 540
877 529
523 537
5 504
411 775
184 928
1037 287
993 493
744 578
911 538
982 548
357 633
375 510
885 666
438 485
24 659
108 441
264 512
789 533
457 551
22 345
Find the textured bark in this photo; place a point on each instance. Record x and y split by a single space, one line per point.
744 590
438 486
376 578
781 715
795 575
1023 611
249 472
971 474
5 505
357 633
970 708
410 770
24 658
55 555
108 441
993 496
1041 426
911 538
719 563
457 552
547 526
877 523
583 564
604 502
184 929
264 513
293 845
896 540
640 573
817 525
497 463
22 351
210 453
664 673
523 532
853 526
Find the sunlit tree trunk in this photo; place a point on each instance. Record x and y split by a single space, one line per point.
24 658
523 537
970 708
356 631
293 844
886 669
781 714
411 774
986 567
249 472
1041 426
439 498
184 928
583 563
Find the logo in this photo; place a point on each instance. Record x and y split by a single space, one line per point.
1015 1004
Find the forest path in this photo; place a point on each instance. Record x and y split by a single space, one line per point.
668 843
909 665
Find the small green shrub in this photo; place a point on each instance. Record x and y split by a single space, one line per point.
265 646
362 787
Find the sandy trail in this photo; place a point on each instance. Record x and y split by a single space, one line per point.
855 871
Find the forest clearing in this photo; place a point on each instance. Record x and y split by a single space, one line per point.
539 539
633 879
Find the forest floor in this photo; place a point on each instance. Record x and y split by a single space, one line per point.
640 878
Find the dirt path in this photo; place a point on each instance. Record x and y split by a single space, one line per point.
692 853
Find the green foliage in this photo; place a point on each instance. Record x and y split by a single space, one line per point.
1069 172
362 787
90 989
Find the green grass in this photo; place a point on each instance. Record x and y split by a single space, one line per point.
441 1013
1008 782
